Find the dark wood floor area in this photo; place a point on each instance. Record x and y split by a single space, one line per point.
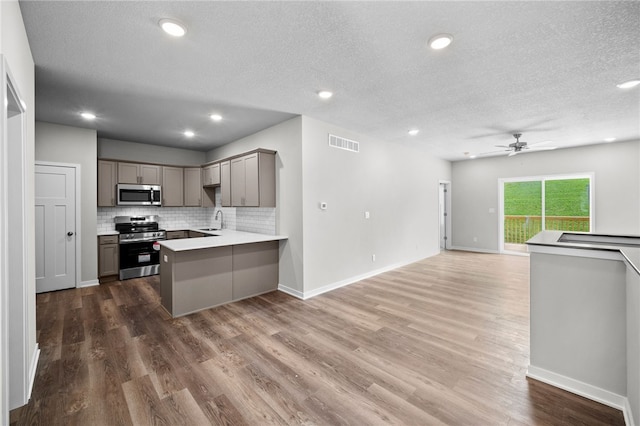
442 341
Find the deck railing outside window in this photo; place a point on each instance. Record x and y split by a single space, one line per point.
518 229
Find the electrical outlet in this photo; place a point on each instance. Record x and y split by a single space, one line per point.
366 215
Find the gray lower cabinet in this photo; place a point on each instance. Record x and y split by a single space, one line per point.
255 269
108 256
193 280
176 235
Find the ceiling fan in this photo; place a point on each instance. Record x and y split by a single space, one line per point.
518 147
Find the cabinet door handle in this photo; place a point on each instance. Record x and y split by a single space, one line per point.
112 203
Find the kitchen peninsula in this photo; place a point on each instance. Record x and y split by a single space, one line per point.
585 316
223 266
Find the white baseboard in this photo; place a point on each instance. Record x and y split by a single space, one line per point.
475 249
586 390
89 283
290 291
32 370
628 414
354 279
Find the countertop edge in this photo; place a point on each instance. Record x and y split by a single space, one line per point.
631 255
224 238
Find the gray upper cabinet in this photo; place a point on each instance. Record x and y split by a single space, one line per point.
211 175
253 180
107 179
225 183
148 174
172 187
193 186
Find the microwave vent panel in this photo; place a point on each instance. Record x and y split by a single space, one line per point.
344 143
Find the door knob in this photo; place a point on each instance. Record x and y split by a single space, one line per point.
69 234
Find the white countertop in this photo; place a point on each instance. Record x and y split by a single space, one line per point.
550 239
103 233
223 237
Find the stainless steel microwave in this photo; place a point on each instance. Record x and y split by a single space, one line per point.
139 195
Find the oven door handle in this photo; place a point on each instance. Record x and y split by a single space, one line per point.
141 241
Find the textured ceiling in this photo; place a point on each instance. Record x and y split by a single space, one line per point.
547 69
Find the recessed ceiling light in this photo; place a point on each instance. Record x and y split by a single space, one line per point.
188 133
172 27
215 117
440 41
325 94
413 132
628 84
610 139
88 116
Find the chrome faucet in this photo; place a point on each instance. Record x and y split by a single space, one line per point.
221 217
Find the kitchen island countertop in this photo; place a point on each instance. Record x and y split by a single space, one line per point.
219 238
630 253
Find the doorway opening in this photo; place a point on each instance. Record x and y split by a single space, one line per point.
444 215
533 204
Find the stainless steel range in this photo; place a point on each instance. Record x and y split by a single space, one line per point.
139 248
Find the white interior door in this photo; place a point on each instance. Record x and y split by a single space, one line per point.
55 227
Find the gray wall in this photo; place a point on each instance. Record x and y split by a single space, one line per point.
396 184
64 144
133 151
617 188
286 139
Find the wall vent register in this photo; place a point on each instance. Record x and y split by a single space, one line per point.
344 143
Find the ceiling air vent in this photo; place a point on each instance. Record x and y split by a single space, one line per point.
343 143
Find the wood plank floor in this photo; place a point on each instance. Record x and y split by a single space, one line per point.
441 341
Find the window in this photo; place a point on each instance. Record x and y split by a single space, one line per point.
531 205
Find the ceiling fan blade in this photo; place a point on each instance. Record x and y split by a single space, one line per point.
502 146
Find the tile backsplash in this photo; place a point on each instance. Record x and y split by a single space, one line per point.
261 220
